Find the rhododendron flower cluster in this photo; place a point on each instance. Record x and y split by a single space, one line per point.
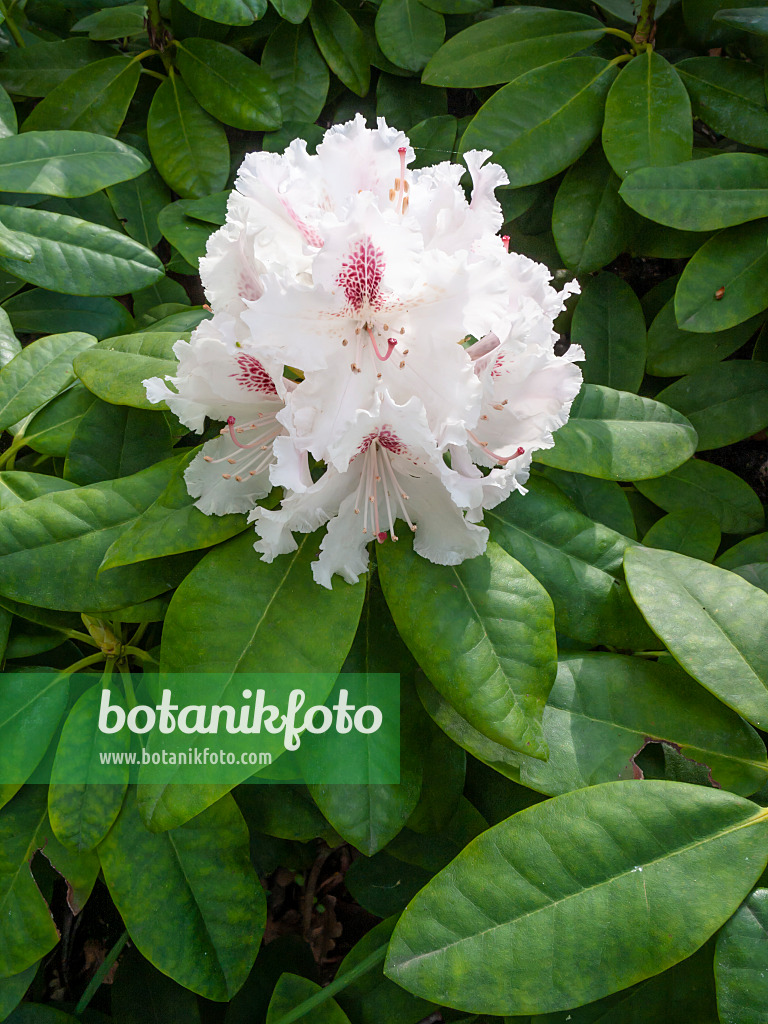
375 350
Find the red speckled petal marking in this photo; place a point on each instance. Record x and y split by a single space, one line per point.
361 274
252 376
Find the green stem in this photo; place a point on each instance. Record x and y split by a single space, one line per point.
101 974
83 638
9 456
620 33
130 693
645 23
621 59
337 985
12 28
154 74
136 652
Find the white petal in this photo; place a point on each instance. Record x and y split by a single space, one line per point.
216 485
344 549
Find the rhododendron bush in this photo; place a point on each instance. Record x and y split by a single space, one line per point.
353 341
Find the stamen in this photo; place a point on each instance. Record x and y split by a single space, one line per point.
231 428
505 240
502 459
391 342
402 497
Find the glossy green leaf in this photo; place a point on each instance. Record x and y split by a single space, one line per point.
751 549
82 814
701 486
292 990
94 98
51 547
50 431
724 403
609 324
17 486
191 900
342 43
458 6
9 125
605 501
76 257
189 147
747 19
137 204
726 282
31 708
228 12
545 120
689 532
647 116
741 962
292 11
115 440
602 711
711 620
729 96
672 352
123 22
590 223
38 373
698 17
187 234
701 195
505 47
434 140
651 849
577 561
13 246
37 311
619 436
229 85
171 525
294 63
140 994
37 69
12 989
483 632
408 32
10 346
116 367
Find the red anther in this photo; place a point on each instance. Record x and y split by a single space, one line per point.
381 537
505 240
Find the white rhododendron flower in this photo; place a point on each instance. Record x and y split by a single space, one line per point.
375 351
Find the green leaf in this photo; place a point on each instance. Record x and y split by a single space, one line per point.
483 632
115 440
701 195
292 990
124 22
458 6
408 32
10 346
37 311
187 234
505 47
31 708
191 900
602 712
751 549
294 63
726 282
545 120
94 98
577 561
16 486
725 403
711 621
729 96
698 16
609 324
51 547
434 139
13 246
118 366
689 532
229 85
38 373
189 147
647 116
137 203
50 431
37 69
12 989
228 12
619 436
651 849
590 223
602 500
342 43
672 352
76 257
746 19
703 487
741 963
8 121
142 995
82 814
171 525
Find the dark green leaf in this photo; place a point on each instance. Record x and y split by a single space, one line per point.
751 549
746 19
729 96
115 440
228 12
724 403
50 431
610 326
38 373
10 346
503 48
711 620
118 366
37 69
12 989
142 995
31 708
94 98
299 72
405 101
672 352
647 116
741 961
292 990
138 203
293 11
189 147
602 500
123 22
542 122
76 257
651 849
408 32
689 532
700 486
17 486
342 43
37 311
229 85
